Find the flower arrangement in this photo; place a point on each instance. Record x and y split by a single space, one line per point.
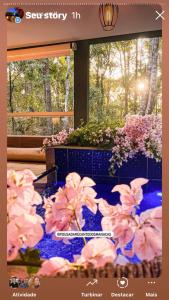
89 135
140 134
94 135
63 211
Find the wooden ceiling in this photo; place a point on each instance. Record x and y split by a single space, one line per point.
132 19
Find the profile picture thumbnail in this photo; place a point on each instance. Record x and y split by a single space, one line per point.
14 14
31 282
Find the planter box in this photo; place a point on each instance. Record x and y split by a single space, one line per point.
94 163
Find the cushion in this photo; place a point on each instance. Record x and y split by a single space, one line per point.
25 154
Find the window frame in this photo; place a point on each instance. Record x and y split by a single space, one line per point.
81 79
82 88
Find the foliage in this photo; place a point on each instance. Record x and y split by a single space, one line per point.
63 211
39 85
125 78
93 134
31 257
89 135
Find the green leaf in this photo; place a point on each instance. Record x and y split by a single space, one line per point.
32 270
31 256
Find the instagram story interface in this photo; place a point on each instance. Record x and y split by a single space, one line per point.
84 180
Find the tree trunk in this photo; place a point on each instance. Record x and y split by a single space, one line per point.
153 77
47 93
148 102
136 77
67 89
67 83
125 82
11 87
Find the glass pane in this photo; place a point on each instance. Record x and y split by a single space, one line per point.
38 126
125 78
40 85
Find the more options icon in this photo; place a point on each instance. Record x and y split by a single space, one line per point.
122 282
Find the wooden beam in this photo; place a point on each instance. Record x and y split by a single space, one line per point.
81 83
39 52
41 114
25 141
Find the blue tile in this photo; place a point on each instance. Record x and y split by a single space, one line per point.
135 167
154 169
80 161
61 160
101 162
106 180
154 185
61 176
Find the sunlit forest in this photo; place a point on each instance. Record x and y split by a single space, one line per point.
124 78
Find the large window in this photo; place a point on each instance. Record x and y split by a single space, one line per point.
40 95
125 78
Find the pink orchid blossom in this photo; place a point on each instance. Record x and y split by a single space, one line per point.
127 226
20 178
82 191
53 266
113 215
147 243
65 213
98 252
153 218
21 195
131 196
124 233
147 238
24 231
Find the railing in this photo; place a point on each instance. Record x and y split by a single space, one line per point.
46 173
41 114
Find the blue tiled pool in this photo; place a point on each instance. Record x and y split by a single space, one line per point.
50 248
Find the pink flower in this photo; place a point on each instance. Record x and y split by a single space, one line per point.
152 218
113 215
124 233
20 178
98 252
66 211
20 193
140 134
24 231
53 266
147 243
60 138
144 231
131 196
82 191
24 225
63 217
